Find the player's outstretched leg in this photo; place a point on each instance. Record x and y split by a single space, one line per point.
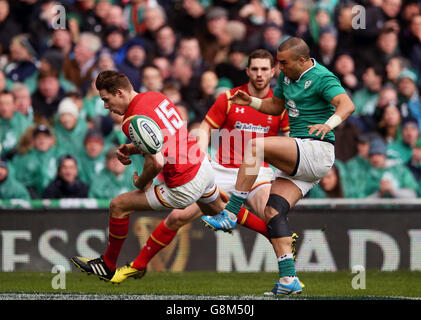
104 267
294 287
281 237
227 219
159 239
221 221
95 266
127 271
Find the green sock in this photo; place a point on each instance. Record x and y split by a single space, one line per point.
286 268
235 203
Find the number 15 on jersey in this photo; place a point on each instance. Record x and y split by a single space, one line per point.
169 116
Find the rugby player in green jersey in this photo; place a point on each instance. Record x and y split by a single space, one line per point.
316 103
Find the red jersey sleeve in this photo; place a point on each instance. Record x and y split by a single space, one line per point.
217 114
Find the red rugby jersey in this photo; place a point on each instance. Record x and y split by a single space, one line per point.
238 124
180 150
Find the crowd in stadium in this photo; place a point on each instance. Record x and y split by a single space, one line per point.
57 140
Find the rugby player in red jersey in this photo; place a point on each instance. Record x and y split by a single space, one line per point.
188 178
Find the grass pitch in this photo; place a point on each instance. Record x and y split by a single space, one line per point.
209 285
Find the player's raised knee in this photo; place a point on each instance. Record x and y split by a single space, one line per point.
175 219
277 210
116 208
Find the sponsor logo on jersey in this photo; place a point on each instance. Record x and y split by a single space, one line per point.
251 127
293 112
238 110
291 103
287 80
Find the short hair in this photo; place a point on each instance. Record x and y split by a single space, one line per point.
149 65
164 26
159 9
261 54
386 31
111 81
403 62
64 158
377 69
46 74
18 86
297 46
188 37
94 42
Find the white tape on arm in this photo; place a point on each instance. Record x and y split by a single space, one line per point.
334 121
255 103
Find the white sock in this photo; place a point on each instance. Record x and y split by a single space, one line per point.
286 256
242 194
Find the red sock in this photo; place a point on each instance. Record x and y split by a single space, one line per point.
119 228
158 240
249 220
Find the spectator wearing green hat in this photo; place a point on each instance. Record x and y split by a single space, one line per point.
408 93
320 17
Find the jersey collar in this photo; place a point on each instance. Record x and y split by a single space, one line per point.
314 64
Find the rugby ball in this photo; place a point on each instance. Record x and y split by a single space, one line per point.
146 134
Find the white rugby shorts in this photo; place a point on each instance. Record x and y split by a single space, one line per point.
226 178
315 160
201 188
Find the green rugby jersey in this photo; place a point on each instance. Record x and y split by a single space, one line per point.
307 100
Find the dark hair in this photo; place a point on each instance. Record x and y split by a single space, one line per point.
377 68
261 54
47 73
65 157
297 46
165 25
111 81
336 192
188 37
148 65
386 30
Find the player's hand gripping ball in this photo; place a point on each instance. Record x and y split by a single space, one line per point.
146 134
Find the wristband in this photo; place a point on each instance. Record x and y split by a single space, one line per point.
255 103
334 121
